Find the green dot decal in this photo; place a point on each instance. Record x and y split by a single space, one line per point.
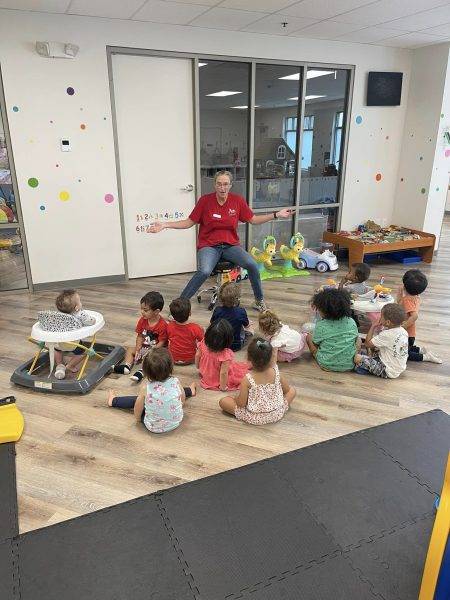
33 182
423 190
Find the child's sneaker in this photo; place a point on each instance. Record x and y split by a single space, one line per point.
60 371
122 369
137 376
429 357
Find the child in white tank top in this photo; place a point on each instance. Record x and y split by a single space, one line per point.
264 395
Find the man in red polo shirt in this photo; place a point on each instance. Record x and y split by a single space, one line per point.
218 215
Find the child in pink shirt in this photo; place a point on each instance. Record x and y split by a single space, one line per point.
215 359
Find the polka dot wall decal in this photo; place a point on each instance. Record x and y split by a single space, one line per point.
57 165
70 91
15 108
447 153
64 195
51 122
437 189
358 119
378 176
109 198
82 126
79 181
442 115
33 182
42 207
402 179
420 157
387 137
423 190
104 118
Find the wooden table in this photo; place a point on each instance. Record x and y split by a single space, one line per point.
357 249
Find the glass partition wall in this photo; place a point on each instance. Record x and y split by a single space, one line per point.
281 130
13 274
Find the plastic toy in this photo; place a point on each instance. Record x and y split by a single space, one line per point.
238 274
264 257
322 262
291 254
31 374
11 420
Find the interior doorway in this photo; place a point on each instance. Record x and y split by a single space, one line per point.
154 110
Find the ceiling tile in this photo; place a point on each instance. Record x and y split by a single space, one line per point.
411 40
272 24
368 35
385 11
323 9
225 18
423 20
174 13
265 6
326 30
51 6
105 8
443 30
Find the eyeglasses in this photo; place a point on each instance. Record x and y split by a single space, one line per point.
224 185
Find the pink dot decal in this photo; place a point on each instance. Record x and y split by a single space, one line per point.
447 153
378 176
109 198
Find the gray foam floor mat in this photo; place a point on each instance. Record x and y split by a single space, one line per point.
346 519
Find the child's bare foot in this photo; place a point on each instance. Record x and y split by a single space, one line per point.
357 359
112 394
193 387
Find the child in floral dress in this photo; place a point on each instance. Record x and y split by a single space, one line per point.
264 396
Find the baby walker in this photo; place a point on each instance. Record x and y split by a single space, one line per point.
33 373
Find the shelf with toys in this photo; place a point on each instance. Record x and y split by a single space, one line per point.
370 238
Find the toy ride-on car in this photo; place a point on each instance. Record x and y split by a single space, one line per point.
323 262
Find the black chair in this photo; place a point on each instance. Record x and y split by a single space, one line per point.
222 274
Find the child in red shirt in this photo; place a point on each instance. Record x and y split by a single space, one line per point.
151 330
183 336
408 296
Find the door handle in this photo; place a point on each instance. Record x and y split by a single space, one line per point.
187 188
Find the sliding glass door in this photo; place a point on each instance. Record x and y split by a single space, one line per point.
281 130
13 274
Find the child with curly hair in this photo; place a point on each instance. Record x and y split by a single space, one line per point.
334 341
287 343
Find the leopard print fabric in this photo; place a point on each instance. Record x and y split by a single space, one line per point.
53 320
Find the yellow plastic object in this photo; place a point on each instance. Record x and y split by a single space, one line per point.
438 541
11 420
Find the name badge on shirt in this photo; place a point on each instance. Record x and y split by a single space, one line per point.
215 215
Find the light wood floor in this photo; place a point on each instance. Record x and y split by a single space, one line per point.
77 455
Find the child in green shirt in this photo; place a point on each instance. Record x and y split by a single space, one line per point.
335 340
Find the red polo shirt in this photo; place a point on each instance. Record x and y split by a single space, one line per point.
218 223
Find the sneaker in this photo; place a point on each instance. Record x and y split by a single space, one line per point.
137 376
260 306
122 369
429 357
60 371
362 371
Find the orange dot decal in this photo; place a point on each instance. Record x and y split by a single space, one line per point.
83 126
378 176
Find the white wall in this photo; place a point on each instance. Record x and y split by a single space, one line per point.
81 237
424 167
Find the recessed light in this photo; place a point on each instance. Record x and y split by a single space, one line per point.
202 64
224 93
243 107
312 97
309 75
